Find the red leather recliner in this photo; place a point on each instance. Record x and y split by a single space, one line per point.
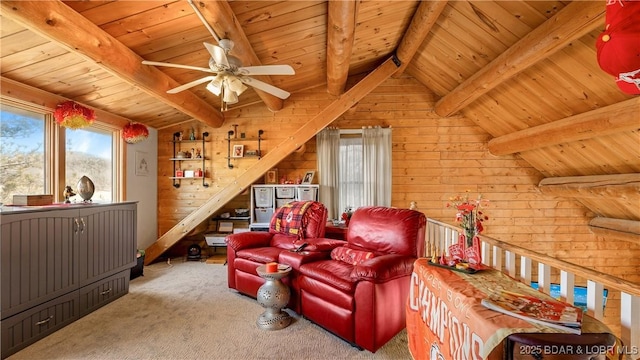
246 251
360 293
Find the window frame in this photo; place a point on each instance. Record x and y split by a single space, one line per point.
55 150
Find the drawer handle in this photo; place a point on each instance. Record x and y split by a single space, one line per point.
106 292
77 226
44 321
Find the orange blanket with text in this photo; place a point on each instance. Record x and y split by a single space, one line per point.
446 320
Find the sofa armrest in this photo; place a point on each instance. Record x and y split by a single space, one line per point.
297 259
384 268
322 244
250 239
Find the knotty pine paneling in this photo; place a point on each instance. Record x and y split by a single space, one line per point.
434 158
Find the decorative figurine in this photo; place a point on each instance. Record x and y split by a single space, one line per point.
198 155
68 192
193 134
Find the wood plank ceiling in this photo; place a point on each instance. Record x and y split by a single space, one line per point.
524 71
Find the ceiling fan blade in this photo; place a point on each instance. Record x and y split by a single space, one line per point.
145 62
267 70
190 84
218 54
265 87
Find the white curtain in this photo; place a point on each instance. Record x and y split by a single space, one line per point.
328 153
376 145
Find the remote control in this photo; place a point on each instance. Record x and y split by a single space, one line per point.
301 247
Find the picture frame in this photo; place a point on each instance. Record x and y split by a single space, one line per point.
308 177
142 164
238 151
271 176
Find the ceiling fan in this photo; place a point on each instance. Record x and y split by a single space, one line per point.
228 77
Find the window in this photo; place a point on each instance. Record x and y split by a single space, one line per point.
350 177
22 153
89 152
354 168
39 157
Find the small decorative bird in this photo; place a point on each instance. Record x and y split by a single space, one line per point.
68 192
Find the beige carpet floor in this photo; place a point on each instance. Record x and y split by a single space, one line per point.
184 310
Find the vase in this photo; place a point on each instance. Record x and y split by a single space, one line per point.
469 234
85 188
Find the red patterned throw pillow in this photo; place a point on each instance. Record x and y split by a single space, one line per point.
351 256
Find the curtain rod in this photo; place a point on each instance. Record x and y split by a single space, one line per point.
355 131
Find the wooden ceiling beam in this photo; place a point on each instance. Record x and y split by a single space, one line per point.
341 27
45 100
616 186
627 230
271 159
423 20
606 120
225 24
57 22
572 22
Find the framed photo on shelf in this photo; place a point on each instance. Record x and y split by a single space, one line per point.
238 151
308 178
271 177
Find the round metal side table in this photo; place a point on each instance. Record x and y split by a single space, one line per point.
273 295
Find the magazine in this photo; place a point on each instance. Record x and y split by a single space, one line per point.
552 313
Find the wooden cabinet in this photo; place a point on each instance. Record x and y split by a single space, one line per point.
60 263
265 199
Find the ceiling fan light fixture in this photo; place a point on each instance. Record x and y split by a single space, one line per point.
236 86
215 86
229 97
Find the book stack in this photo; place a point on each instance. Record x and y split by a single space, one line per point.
551 313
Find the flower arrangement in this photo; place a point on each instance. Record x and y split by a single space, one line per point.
134 132
73 115
346 215
469 214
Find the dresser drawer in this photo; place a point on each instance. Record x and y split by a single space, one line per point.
29 326
104 291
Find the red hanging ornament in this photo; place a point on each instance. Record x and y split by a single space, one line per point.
73 115
134 132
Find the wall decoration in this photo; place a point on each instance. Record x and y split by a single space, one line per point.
238 151
142 164
135 132
308 177
271 177
73 115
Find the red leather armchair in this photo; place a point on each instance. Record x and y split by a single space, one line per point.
360 293
246 251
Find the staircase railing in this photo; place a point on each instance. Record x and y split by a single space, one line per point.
506 257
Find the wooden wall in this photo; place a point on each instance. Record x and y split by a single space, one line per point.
434 158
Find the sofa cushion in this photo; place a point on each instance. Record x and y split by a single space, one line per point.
335 273
351 256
